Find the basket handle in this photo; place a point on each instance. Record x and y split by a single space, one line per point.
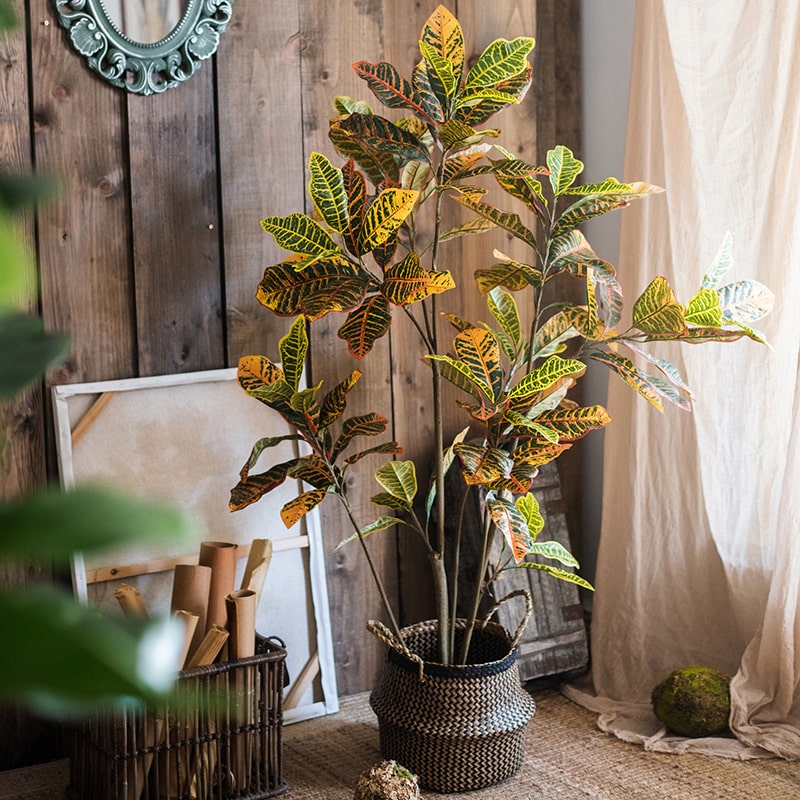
526 616
383 634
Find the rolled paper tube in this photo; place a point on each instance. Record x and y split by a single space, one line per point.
189 622
221 557
130 600
209 648
190 589
241 607
255 571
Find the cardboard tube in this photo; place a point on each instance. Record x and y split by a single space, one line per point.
130 601
189 622
255 571
190 593
241 607
221 558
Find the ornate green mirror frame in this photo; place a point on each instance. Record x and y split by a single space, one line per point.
136 66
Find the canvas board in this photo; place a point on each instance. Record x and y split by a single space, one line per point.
183 439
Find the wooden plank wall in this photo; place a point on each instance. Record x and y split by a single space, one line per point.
150 254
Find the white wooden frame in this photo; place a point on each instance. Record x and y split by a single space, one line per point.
94 445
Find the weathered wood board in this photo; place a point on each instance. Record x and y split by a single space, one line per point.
555 640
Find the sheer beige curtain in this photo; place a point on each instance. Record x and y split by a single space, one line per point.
699 558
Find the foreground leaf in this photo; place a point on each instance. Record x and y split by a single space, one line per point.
55 524
26 352
101 661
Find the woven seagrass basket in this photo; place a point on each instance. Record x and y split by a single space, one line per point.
457 728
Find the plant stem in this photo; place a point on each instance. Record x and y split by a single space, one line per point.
476 600
456 562
378 582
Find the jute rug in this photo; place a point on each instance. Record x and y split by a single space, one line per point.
568 758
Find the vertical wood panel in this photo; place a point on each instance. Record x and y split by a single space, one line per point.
22 443
23 738
261 158
175 228
334 35
83 234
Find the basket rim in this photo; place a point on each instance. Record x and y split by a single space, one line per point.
437 669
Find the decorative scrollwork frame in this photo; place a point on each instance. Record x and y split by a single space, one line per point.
144 68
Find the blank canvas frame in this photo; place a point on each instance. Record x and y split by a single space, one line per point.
183 439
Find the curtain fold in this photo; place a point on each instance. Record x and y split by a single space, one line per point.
699 558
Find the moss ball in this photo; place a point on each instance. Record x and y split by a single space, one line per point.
387 781
693 702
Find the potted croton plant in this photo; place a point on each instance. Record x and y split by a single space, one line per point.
362 254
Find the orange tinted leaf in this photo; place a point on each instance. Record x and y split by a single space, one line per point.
296 509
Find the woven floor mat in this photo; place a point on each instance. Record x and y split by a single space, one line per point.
567 758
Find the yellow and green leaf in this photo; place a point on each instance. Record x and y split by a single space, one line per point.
513 275
658 311
380 524
528 506
326 286
399 479
479 352
638 380
499 62
482 465
299 233
545 376
391 88
593 205
561 574
503 308
335 402
502 219
442 33
404 279
385 216
293 348
704 309
511 523
365 325
571 424
564 168
517 86
370 424
327 189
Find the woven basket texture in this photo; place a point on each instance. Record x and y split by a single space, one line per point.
459 728
219 737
